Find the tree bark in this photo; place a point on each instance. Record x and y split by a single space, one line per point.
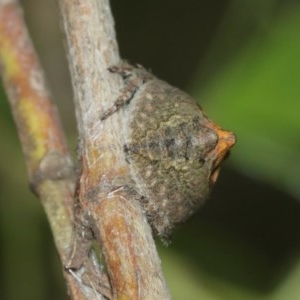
120 226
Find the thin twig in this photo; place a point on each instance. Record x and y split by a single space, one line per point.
119 224
50 169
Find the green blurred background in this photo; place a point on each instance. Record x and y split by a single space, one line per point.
241 60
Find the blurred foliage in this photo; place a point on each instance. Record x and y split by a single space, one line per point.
241 60
257 95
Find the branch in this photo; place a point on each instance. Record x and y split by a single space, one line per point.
49 166
120 226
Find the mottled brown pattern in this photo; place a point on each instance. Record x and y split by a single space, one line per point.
169 145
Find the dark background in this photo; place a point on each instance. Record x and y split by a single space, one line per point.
240 60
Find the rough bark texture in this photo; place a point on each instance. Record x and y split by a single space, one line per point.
49 166
120 226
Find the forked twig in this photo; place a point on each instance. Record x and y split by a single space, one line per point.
49 166
119 224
